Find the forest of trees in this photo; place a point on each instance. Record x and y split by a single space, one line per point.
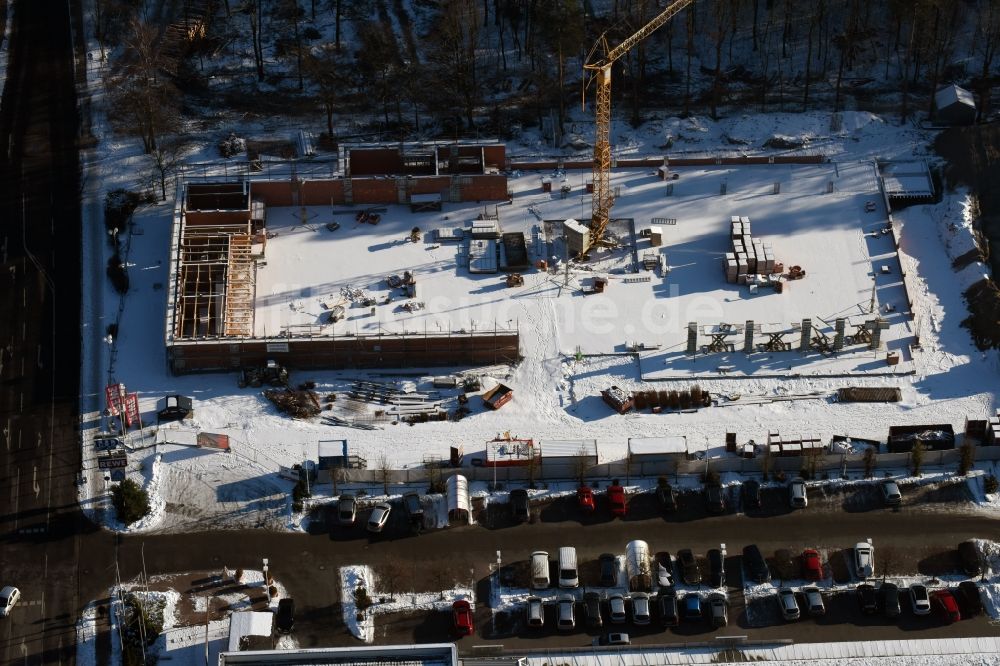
456 67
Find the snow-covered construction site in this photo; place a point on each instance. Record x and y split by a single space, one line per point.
434 285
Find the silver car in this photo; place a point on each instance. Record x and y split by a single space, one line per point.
379 517
920 600
566 614
616 604
789 606
640 608
814 601
891 494
797 494
347 510
864 560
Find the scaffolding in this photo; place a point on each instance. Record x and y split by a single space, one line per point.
216 286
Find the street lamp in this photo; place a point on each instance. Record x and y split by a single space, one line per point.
267 586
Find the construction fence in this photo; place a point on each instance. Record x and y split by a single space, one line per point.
831 464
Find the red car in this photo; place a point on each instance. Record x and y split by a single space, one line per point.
463 618
585 498
616 496
943 601
812 567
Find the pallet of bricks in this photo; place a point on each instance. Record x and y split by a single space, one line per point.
748 255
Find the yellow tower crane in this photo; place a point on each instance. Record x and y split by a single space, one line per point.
599 64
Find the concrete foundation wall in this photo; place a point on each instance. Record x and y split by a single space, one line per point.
348 352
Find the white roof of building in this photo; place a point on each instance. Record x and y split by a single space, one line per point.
669 444
557 448
483 256
952 94
248 623
578 227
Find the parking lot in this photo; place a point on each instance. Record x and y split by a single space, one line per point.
837 516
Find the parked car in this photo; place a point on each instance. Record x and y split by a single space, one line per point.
284 622
569 575
616 497
640 608
691 604
519 509
864 560
812 567
616 609
890 493
788 605
943 601
969 602
617 638
664 569
716 568
785 565
566 615
414 510
609 570
972 561
814 601
592 610
755 564
666 604
347 510
585 499
535 612
867 599
379 517
690 573
890 599
920 601
797 497
462 613
718 609
751 495
715 499
667 497
540 570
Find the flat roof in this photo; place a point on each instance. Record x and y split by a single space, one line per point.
670 444
569 448
430 654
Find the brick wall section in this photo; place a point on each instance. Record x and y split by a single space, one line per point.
350 352
272 192
322 192
196 218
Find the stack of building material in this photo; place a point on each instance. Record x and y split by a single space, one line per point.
793 445
485 229
749 255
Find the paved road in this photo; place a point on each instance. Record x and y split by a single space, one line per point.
307 565
39 336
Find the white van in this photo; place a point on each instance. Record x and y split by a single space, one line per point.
568 575
539 570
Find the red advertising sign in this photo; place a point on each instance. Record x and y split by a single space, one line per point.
114 394
131 409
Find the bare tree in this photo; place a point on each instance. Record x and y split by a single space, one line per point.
581 464
384 467
165 159
390 574
325 73
252 9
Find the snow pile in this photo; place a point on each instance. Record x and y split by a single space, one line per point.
361 622
157 504
86 636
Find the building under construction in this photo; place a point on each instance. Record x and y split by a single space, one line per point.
220 240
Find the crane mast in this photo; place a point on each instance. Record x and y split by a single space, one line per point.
599 63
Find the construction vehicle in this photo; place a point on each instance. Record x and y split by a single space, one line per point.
498 396
598 63
256 376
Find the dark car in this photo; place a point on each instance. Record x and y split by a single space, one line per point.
751 495
890 599
755 564
666 604
715 500
691 604
286 616
969 601
688 565
609 570
716 568
867 599
972 561
414 510
519 505
592 610
667 497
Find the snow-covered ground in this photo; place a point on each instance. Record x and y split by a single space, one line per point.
556 389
